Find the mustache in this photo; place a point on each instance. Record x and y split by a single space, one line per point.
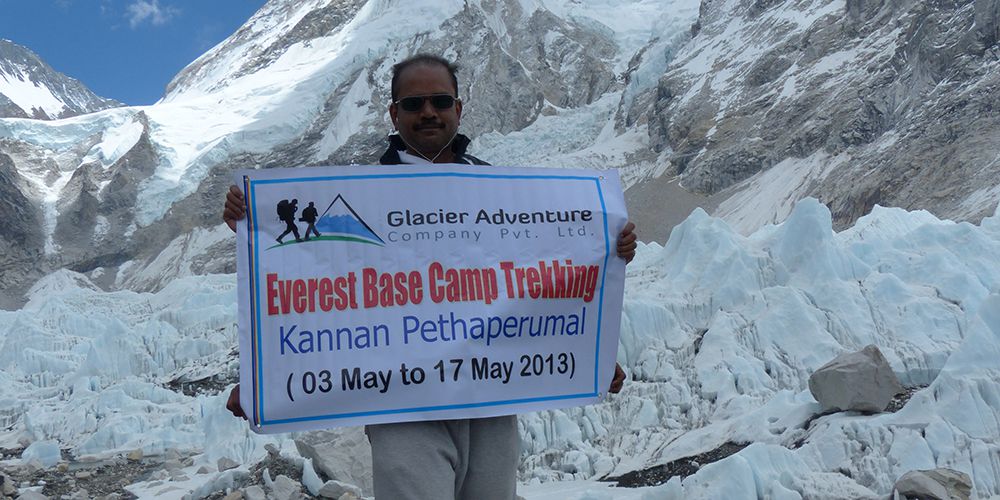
429 125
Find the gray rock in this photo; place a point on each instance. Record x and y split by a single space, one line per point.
235 495
859 381
31 495
285 488
135 455
348 496
272 450
254 493
226 463
337 489
342 454
914 485
934 484
7 487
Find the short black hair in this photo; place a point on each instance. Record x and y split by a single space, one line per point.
419 59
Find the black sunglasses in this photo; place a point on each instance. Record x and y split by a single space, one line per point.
416 102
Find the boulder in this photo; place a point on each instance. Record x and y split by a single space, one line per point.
7 487
342 454
337 489
254 493
31 495
226 463
933 484
859 381
286 488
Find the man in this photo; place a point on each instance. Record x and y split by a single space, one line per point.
444 459
286 214
309 215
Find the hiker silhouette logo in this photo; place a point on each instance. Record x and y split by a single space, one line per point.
339 222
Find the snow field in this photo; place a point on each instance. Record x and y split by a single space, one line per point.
719 335
776 305
28 95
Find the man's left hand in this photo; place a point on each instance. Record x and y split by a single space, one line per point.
626 242
618 381
626 250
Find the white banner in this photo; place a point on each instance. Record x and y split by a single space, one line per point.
402 293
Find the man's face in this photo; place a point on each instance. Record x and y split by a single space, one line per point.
428 129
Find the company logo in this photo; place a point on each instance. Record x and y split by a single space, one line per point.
339 222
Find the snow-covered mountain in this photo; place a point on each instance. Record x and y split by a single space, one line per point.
29 88
763 103
133 193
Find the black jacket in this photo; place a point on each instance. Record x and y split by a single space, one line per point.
458 145
309 215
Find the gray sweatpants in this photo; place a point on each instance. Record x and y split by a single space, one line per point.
467 459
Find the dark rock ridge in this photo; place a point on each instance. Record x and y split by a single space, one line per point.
21 239
682 467
95 208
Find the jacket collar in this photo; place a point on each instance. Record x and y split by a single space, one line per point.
396 144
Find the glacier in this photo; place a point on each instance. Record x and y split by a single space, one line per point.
720 332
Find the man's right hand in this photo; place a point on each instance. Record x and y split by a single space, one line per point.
233 403
234 211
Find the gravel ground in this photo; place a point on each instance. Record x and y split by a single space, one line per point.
103 479
107 479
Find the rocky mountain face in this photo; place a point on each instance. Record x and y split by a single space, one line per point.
519 62
29 88
133 195
890 102
757 102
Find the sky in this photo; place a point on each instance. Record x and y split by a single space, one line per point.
127 50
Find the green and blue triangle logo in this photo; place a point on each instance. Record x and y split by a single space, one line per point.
339 222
